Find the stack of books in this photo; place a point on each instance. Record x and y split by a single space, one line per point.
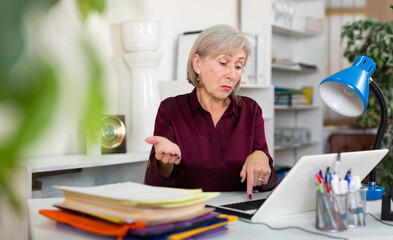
139 211
291 97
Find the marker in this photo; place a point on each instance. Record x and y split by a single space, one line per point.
343 185
335 184
327 180
327 175
319 182
355 183
321 175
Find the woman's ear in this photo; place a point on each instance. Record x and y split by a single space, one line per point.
195 63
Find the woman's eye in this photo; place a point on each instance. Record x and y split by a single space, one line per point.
223 63
239 67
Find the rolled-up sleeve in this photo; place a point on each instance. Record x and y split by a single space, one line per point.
163 127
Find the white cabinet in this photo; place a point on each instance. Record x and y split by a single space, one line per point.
292 34
82 170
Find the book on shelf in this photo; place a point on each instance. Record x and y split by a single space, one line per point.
292 97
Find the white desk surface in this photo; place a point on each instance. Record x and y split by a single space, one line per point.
44 228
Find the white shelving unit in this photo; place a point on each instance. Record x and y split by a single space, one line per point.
305 47
295 68
294 146
284 30
264 96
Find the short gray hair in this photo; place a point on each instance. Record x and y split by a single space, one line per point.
212 42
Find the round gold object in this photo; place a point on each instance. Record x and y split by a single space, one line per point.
113 132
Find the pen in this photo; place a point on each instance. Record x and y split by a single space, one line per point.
327 180
337 162
326 204
348 177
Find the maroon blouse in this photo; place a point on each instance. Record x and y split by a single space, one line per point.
212 157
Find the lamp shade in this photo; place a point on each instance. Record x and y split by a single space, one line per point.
346 91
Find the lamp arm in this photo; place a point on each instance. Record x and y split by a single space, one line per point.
383 124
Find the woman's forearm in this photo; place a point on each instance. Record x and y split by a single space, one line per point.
164 169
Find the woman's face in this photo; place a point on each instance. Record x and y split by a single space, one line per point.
220 75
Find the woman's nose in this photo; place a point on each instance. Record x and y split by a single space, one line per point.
231 74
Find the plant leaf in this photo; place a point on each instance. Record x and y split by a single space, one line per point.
87 6
390 62
387 39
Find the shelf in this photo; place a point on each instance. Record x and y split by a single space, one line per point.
293 108
284 30
277 148
255 86
67 162
295 68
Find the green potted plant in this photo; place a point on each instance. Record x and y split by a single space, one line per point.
374 39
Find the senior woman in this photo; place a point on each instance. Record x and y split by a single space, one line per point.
212 138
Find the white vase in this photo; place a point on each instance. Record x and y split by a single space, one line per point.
141 35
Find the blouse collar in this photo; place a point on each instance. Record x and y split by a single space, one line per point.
232 109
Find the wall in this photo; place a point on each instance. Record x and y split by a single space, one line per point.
175 16
62 24
379 9
339 13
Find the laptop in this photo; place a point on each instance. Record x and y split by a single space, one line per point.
296 192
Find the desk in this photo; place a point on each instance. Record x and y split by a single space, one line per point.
44 228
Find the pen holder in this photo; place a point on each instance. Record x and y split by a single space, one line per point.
357 207
331 213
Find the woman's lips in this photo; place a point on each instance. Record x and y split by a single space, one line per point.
226 87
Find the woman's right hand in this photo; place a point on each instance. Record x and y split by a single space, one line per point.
167 152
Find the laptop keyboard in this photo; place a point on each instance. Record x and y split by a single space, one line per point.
244 206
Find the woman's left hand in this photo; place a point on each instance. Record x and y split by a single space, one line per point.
256 170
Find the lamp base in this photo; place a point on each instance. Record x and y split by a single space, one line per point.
374 192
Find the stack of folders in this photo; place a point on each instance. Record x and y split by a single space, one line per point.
137 211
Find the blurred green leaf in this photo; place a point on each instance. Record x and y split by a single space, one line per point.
87 6
95 95
33 87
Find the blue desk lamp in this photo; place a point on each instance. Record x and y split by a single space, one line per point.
346 92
